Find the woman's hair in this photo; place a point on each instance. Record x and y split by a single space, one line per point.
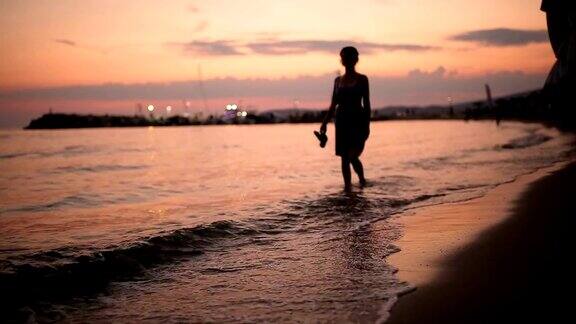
349 52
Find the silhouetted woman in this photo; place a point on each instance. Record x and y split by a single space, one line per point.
351 104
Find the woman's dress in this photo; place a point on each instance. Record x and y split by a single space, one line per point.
352 120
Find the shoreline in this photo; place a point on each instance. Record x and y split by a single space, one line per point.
496 264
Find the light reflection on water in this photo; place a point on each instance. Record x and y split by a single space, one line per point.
292 245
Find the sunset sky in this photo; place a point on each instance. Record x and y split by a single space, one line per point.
104 56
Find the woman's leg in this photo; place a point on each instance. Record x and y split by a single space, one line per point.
346 173
359 169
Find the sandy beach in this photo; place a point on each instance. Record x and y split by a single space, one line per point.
502 258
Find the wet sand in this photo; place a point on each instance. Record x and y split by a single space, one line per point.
503 258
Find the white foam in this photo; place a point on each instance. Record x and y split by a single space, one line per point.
384 313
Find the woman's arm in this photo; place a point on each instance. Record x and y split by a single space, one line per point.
367 108
332 108
366 99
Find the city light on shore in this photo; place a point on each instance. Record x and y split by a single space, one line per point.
231 107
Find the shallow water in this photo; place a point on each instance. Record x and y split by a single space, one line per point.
231 223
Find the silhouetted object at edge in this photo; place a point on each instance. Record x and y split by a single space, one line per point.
560 86
351 106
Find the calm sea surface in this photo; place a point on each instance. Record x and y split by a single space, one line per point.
231 223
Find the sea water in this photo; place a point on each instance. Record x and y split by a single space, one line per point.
232 223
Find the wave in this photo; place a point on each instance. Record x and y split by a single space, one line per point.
61 273
529 140
12 155
71 150
80 201
83 201
437 163
68 272
98 168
